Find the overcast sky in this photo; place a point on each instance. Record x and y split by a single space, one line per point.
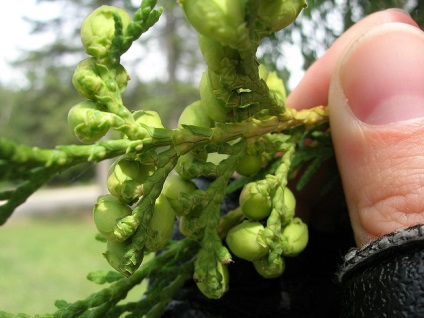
14 32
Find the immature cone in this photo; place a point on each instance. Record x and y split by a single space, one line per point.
115 252
294 237
255 201
213 107
125 179
249 165
107 212
218 286
174 187
194 114
214 52
274 15
86 79
89 123
149 118
290 203
269 270
98 29
161 223
243 240
89 83
221 20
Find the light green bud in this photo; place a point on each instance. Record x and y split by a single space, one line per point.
149 118
249 165
161 223
221 20
136 170
218 285
98 30
255 201
214 52
125 179
274 15
115 252
213 107
89 124
269 270
244 242
107 212
290 203
194 114
294 237
174 187
86 80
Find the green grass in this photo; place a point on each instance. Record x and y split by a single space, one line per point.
42 260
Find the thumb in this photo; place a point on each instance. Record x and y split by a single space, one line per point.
376 105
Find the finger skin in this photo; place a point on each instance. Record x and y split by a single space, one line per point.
380 164
376 104
313 88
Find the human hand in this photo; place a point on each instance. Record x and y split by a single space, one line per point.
372 79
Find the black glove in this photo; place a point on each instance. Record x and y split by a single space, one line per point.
386 277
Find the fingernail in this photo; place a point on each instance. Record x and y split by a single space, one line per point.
382 75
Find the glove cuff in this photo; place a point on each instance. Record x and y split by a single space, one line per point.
385 278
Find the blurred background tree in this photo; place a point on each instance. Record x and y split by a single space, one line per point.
165 65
